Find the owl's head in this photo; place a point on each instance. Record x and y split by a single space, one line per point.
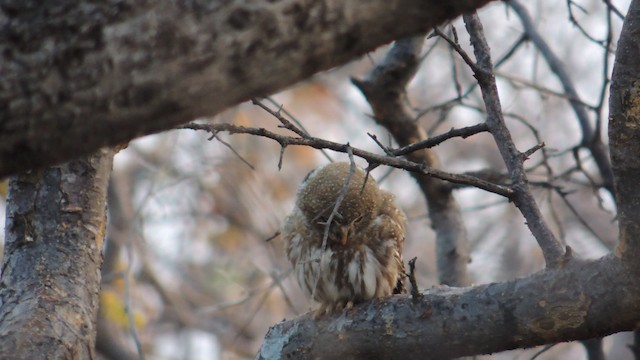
319 191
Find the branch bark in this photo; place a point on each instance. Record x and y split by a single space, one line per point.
624 132
590 136
581 301
551 247
99 74
51 271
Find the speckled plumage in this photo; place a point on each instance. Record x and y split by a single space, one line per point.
362 258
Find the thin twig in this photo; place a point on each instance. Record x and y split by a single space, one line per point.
464 133
415 293
544 349
298 124
533 149
463 54
128 305
234 151
341 196
285 122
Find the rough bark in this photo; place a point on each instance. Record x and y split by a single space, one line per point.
102 73
581 301
624 135
51 269
577 301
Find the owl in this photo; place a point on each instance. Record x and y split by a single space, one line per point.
361 256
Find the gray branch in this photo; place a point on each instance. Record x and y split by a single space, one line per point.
372 158
551 247
583 300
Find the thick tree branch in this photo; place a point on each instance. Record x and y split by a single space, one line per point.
97 74
580 301
384 88
624 132
51 270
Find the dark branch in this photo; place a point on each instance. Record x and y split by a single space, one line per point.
552 249
372 158
439 139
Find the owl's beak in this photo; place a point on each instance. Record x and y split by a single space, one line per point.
344 231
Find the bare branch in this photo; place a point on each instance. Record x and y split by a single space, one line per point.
552 248
285 122
581 301
433 141
372 158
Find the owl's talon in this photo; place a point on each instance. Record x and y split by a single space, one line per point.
320 312
348 305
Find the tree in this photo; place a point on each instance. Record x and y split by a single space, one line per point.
101 74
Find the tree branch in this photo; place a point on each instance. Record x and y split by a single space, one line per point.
99 74
581 301
436 140
552 248
372 158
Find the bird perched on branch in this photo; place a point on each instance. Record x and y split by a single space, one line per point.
349 254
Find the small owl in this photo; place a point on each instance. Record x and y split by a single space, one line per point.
361 258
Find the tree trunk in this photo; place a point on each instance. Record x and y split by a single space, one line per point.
51 270
624 135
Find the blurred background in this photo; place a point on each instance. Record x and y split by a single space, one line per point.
192 268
